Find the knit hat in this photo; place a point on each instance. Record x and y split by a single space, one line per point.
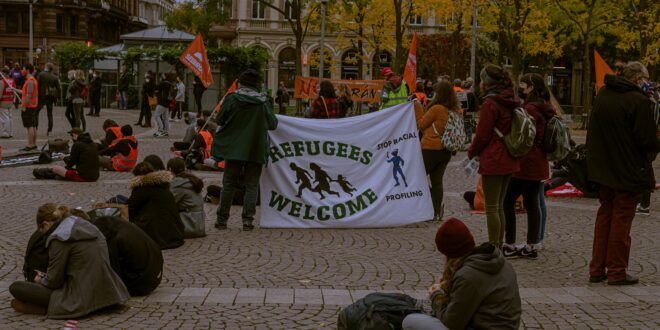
249 77
386 72
454 239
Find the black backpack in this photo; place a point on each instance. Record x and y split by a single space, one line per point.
377 311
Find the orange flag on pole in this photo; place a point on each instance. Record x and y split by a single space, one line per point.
229 91
601 70
194 58
410 73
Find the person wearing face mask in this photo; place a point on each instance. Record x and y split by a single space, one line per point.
148 91
95 86
622 143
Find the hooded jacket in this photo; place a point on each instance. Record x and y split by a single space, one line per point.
152 208
496 111
190 205
84 157
79 271
134 256
245 118
534 166
484 294
622 137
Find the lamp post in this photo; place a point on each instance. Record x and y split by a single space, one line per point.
473 55
323 3
31 45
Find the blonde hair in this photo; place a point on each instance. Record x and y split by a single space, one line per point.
451 267
80 74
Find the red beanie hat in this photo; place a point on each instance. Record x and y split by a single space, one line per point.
454 239
386 72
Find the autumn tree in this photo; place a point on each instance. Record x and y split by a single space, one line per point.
198 16
403 10
641 30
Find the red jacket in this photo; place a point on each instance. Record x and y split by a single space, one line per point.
534 166
320 106
493 156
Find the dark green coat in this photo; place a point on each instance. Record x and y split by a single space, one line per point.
245 118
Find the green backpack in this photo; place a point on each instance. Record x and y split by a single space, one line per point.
523 131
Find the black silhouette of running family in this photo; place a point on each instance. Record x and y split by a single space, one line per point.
321 177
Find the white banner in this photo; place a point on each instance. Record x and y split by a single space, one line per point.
357 172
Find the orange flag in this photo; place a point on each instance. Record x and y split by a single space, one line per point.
229 91
194 58
410 73
601 70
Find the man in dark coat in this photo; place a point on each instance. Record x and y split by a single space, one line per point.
622 145
134 256
49 91
82 165
242 141
95 85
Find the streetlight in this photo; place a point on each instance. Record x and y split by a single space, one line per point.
31 33
323 3
473 55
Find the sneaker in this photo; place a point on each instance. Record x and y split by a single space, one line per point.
221 226
643 210
538 246
598 279
629 280
164 134
510 251
157 134
248 227
529 252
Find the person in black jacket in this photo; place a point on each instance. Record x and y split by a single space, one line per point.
123 85
162 112
82 165
95 86
152 207
49 91
148 91
134 256
198 92
622 145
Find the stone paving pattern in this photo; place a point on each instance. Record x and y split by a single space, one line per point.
300 279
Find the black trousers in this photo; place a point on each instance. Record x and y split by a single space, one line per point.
145 112
31 293
435 163
529 189
69 114
94 103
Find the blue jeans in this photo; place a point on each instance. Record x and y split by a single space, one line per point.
544 211
230 181
123 100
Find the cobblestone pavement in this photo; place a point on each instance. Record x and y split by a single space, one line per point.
300 279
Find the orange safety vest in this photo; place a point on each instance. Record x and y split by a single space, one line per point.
208 140
459 90
7 93
125 163
30 101
117 131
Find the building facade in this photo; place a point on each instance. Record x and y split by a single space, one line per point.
153 12
99 22
251 24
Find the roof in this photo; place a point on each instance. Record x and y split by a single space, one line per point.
114 48
159 33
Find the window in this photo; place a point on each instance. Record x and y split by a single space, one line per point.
415 19
11 21
225 8
258 10
73 25
60 24
25 21
289 10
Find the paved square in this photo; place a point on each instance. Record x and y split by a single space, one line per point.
300 279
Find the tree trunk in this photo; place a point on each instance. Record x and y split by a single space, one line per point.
399 60
586 80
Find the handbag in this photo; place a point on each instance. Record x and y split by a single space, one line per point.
58 145
193 224
153 101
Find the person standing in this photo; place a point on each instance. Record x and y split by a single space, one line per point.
30 108
198 92
77 91
49 91
162 112
123 85
432 123
148 91
534 168
345 101
395 91
326 105
282 98
95 85
180 98
245 118
496 163
622 143
6 104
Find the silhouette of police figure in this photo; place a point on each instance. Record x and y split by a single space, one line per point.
323 179
397 162
303 178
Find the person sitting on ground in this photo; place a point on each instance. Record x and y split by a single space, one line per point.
155 162
79 279
478 289
152 207
122 155
187 191
190 118
112 134
82 165
134 256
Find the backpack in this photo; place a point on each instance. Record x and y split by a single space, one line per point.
523 131
454 136
377 311
556 141
84 91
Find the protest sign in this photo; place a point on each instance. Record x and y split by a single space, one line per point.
361 90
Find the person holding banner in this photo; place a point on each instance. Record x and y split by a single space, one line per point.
432 123
245 117
325 106
395 91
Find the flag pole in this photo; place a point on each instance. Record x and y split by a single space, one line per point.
229 91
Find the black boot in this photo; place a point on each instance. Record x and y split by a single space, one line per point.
44 173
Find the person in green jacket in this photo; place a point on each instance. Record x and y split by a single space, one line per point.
245 118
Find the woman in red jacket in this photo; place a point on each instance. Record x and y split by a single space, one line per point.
496 164
534 168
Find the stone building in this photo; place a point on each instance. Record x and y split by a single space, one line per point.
152 12
99 22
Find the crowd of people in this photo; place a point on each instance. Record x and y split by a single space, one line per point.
478 287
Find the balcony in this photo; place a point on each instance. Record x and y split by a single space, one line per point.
224 31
